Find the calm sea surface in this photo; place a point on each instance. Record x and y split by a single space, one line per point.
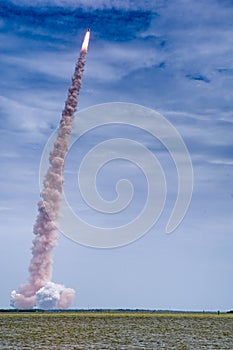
75 331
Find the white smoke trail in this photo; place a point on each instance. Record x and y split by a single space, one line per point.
39 291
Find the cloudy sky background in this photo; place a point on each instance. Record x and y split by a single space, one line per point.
175 57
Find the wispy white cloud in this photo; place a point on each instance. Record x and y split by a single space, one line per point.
115 61
221 162
51 64
22 117
4 208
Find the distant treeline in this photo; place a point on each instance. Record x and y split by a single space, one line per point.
81 310
106 311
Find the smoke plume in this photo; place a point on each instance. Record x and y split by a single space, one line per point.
39 291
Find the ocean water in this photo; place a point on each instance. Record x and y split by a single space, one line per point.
111 331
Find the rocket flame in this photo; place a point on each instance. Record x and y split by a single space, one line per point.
86 41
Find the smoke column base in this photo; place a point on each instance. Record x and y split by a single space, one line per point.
50 297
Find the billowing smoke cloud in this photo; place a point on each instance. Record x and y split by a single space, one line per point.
54 296
39 291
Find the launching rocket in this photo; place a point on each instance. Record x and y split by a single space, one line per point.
39 286
86 40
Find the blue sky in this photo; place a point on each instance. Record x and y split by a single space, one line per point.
175 57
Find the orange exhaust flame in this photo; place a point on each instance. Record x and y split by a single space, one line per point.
86 41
